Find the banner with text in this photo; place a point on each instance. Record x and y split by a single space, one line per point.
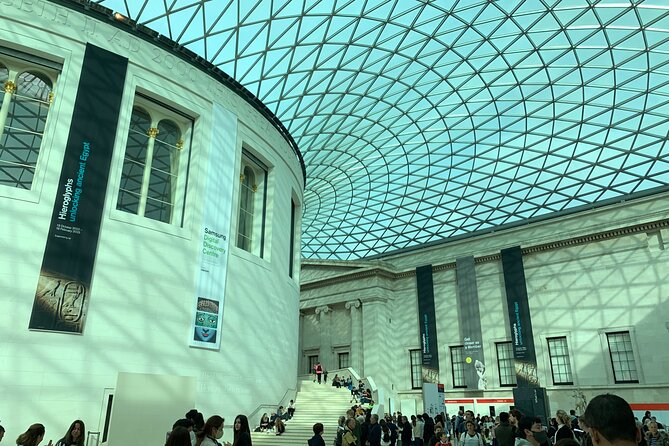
519 317
427 324
212 267
64 285
470 324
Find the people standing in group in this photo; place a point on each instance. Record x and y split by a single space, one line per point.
242 433
526 431
505 433
655 437
317 439
33 436
74 436
564 426
374 437
610 421
179 437
407 432
428 428
471 437
418 429
349 438
211 432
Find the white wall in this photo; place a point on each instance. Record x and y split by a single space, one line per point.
144 277
579 284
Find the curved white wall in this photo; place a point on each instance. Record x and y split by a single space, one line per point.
144 277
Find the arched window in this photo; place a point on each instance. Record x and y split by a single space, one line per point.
252 195
151 185
135 161
164 170
245 229
23 115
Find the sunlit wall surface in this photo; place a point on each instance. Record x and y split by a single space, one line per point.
423 120
145 273
597 292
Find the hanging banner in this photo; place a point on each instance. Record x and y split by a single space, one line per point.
64 285
519 317
427 324
470 324
212 267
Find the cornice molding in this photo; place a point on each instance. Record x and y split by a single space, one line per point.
495 257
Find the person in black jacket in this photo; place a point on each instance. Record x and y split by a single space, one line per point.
428 428
317 439
374 437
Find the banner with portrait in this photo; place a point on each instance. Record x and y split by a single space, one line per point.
64 284
470 324
212 267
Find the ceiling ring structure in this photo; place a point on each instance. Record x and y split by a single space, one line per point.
424 121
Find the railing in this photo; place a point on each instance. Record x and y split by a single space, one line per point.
287 396
378 394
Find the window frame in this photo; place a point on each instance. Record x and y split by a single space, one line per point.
629 353
568 360
348 359
461 369
18 62
416 368
250 160
160 110
506 345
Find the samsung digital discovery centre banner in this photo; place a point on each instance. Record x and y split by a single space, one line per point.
63 288
212 268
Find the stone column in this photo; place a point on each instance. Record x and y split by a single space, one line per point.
324 322
356 335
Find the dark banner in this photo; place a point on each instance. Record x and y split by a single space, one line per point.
64 283
519 317
470 324
427 324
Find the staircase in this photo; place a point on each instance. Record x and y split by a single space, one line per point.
314 403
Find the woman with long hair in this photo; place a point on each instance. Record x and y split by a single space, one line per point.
564 426
242 431
211 432
33 436
75 435
180 436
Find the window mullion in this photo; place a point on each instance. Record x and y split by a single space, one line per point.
144 193
10 89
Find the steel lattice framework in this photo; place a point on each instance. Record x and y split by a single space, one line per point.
422 120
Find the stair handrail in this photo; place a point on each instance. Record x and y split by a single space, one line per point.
288 395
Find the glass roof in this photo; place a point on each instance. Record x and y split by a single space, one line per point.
422 120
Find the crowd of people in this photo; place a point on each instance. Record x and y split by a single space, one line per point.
194 431
189 431
608 421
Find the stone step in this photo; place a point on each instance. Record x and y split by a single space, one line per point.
314 403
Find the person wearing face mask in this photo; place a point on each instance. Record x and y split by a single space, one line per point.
211 432
610 422
527 433
539 433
